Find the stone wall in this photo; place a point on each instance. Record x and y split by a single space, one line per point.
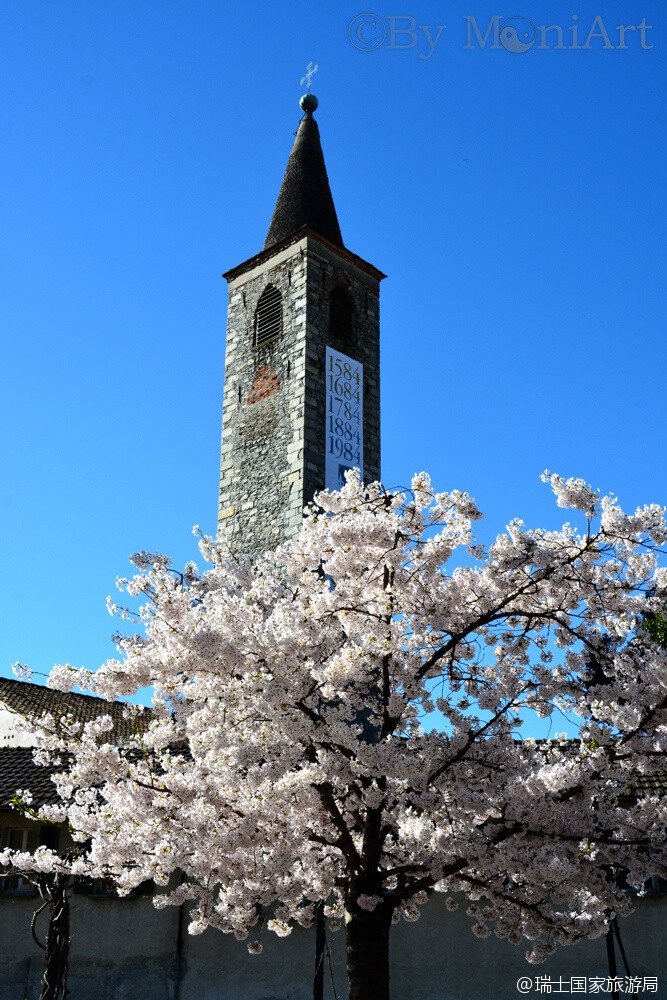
273 432
261 456
325 270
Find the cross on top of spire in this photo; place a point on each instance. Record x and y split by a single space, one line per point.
310 73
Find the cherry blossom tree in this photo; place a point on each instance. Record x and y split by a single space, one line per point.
341 722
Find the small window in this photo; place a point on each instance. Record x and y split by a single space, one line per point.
18 839
268 315
26 839
341 317
106 888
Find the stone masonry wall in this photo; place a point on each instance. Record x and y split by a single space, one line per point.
273 435
262 431
325 270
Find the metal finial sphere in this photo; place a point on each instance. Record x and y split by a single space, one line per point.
308 103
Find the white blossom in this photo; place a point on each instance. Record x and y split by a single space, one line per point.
288 761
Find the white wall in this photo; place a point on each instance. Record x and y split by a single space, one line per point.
7 737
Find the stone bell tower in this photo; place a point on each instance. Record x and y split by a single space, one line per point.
302 379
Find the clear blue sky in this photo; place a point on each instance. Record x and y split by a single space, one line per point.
515 199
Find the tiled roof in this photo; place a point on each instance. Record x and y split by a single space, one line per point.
18 770
305 196
34 700
656 784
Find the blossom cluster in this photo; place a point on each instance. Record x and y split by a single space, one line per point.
288 759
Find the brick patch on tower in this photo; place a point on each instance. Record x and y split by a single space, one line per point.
265 383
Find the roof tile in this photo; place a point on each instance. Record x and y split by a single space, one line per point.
34 700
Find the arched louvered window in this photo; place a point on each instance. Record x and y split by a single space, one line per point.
269 315
341 317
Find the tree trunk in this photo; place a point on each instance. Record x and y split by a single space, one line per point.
320 941
367 942
54 983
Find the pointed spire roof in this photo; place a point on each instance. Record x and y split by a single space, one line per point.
305 196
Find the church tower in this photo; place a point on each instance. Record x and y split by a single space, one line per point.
302 379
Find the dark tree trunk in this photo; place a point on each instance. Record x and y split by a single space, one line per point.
56 961
367 941
320 939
